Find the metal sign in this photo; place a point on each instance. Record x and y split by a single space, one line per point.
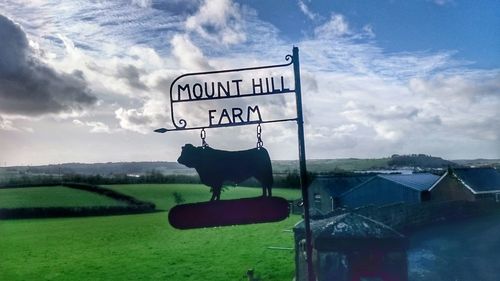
216 88
217 166
205 87
243 211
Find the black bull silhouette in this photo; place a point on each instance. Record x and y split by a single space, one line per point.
217 166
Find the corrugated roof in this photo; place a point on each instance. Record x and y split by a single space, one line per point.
350 232
351 225
479 179
337 185
421 181
348 225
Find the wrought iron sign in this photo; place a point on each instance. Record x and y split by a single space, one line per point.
211 93
183 90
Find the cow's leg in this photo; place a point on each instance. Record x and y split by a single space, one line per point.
217 192
266 187
266 190
266 182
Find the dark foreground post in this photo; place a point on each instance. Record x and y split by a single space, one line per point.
302 162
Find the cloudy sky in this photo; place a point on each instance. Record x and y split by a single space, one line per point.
88 81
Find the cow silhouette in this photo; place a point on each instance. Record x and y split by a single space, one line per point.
218 166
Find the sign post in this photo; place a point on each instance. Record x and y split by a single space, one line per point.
202 86
304 184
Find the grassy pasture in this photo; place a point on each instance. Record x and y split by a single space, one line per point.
162 194
145 247
52 196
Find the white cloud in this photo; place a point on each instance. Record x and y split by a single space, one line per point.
305 9
308 81
219 21
134 120
467 103
387 124
466 86
187 54
368 31
143 3
335 27
96 127
442 2
6 124
345 129
78 122
16 123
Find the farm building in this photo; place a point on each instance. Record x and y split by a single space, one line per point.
388 189
351 247
324 190
467 184
329 192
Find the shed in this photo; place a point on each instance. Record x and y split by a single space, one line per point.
483 183
389 189
352 247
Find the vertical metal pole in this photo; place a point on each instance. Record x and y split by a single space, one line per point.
302 162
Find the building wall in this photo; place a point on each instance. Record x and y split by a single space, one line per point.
323 188
450 189
379 191
492 196
320 198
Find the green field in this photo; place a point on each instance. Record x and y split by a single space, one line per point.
52 196
145 247
162 195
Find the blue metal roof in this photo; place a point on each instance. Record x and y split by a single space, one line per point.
479 179
420 182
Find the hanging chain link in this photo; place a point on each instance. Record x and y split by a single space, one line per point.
203 136
260 143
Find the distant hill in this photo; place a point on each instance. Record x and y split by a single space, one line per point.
420 161
105 169
279 166
395 162
479 162
332 165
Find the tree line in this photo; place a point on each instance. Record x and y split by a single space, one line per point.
284 180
